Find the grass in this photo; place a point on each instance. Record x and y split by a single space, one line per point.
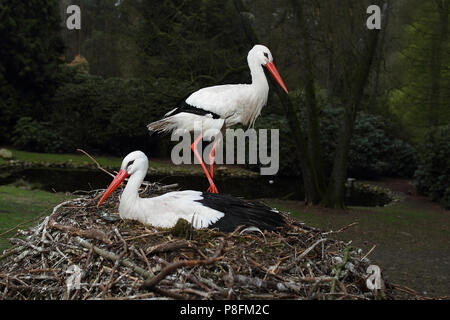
403 217
75 159
111 162
22 205
78 159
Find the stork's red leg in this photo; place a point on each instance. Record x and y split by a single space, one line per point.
212 155
211 159
212 187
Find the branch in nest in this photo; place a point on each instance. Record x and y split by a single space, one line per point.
170 246
171 268
91 234
113 257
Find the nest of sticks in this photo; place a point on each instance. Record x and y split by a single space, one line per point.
82 252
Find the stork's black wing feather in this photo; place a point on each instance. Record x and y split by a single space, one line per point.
183 106
241 212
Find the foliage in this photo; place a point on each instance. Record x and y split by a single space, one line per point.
29 55
288 161
422 98
193 40
34 135
432 177
374 152
363 194
109 115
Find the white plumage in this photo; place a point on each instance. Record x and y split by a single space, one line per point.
202 209
210 110
234 103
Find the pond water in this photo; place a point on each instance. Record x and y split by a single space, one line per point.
70 180
288 188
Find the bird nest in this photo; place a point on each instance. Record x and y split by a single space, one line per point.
83 252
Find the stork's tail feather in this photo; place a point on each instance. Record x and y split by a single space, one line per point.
163 125
241 212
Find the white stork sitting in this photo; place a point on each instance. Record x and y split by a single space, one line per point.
205 210
222 106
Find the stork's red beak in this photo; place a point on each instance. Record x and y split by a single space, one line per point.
276 75
118 179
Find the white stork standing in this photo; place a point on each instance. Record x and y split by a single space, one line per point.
222 106
205 210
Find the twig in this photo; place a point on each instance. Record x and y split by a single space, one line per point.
341 229
91 234
171 268
170 246
302 255
338 270
370 251
95 161
113 257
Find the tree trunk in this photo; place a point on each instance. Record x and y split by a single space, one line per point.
378 59
336 188
314 141
310 181
436 62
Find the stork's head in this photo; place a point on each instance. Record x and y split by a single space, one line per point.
135 162
261 54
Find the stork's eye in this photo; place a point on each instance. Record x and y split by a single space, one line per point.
130 163
266 55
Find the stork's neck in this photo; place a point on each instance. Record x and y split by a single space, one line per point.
130 197
259 80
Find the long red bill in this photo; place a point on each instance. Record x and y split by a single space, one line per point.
273 70
118 179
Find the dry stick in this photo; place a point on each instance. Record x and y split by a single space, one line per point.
133 297
302 255
279 286
88 259
116 264
111 277
170 294
338 271
264 269
106 171
113 257
415 293
11 251
236 230
146 261
91 234
125 247
170 246
189 276
95 161
370 251
171 268
341 229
